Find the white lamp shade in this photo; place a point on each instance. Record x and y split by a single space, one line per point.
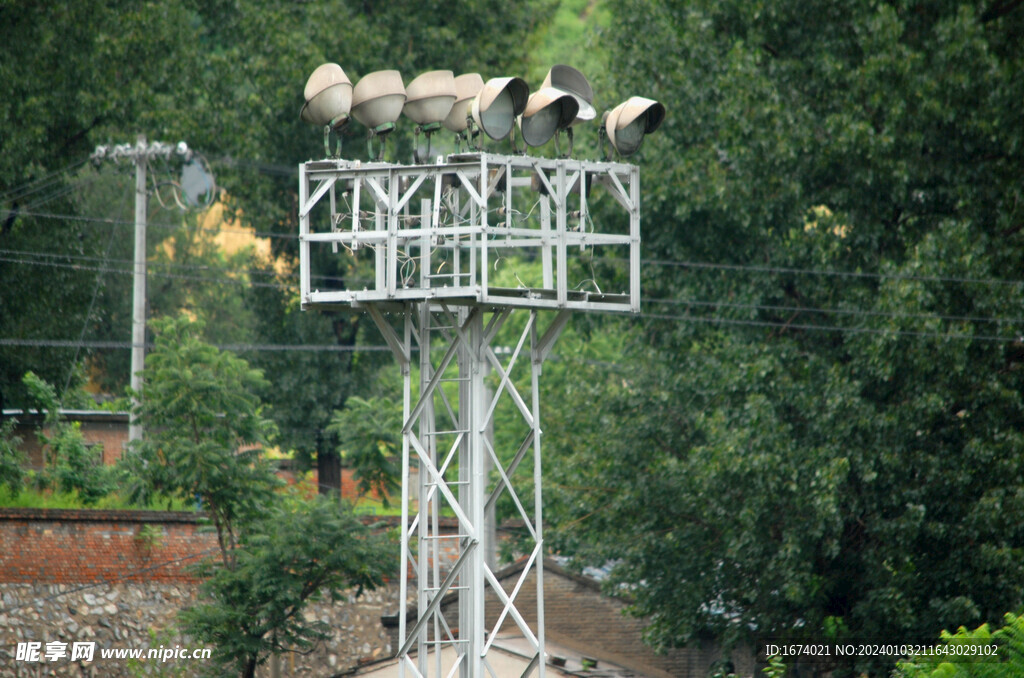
498 104
328 95
547 111
629 122
378 98
467 86
430 97
571 81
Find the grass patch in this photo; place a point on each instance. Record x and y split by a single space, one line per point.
47 499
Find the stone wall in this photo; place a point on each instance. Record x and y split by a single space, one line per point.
135 615
119 578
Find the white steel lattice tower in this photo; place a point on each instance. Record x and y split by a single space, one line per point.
453 250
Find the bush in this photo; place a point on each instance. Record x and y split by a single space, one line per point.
964 654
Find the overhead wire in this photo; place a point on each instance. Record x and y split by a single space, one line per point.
43 259
34 185
835 328
15 256
234 347
833 311
88 313
827 272
683 302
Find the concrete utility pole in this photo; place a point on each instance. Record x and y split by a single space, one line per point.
139 154
139 284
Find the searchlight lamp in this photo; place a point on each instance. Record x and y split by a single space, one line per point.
467 86
430 100
328 95
568 79
548 111
377 102
495 109
628 123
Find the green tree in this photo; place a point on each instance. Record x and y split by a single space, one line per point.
226 77
980 653
296 552
131 66
369 434
204 430
820 434
204 433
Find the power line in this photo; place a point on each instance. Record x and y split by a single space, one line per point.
35 185
834 328
723 321
166 264
745 268
171 227
174 276
238 348
835 311
827 272
227 280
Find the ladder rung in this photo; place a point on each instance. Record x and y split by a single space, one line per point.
450 588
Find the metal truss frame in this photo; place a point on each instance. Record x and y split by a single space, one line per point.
461 473
437 230
433 235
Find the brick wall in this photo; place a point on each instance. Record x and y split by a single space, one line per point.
87 546
107 430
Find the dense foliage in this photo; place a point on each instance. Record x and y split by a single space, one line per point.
821 437
294 553
205 432
981 653
227 77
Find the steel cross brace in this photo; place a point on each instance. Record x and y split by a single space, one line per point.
450 467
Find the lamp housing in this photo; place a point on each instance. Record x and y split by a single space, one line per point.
570 80
378 99
547 111
628 123
328 95
467 86
430 97
499 103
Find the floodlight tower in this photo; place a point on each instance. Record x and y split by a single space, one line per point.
473 264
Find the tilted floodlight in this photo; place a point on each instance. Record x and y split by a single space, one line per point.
496 107
628 123
377 102
430 99
569 80
467 86
328 97
548 111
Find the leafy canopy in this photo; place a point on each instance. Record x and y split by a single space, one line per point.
818 436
